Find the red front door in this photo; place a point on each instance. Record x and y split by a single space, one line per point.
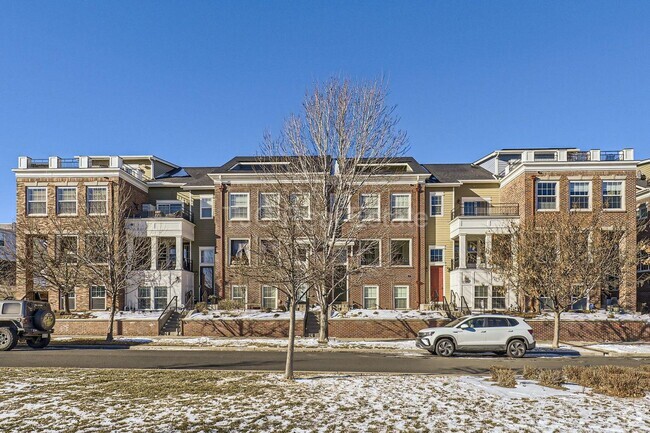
437 282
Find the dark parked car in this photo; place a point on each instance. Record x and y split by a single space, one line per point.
25 320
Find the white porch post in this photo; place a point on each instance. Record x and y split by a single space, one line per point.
179 252
154 253
488 249
462 251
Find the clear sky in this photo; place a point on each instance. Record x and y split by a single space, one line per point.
197 82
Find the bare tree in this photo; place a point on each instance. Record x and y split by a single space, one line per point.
345 142
111 256
643 249
562 258
280 258
7 263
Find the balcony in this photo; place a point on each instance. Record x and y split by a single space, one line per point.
484 209
479 218
83 162
184 213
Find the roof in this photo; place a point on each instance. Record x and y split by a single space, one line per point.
188 176
448 173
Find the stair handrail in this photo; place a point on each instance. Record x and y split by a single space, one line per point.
166 312
445 305
464 307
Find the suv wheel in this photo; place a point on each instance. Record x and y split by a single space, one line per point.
445 347
38 342
8 339
516 349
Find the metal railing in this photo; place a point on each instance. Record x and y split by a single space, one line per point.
138 173
615 155
40 163
69 163
503 209
578 156
186 214
166 312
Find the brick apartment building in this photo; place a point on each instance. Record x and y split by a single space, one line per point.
442 218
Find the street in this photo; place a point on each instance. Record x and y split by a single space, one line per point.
326 361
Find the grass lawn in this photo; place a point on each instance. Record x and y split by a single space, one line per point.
95 400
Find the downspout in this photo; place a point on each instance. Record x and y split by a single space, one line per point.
222 234
418 264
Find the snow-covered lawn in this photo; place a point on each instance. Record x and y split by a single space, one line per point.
597 315
119 315
283 315
77 400
638 349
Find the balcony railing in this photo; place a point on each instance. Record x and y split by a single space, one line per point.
578 156
615 155
487 210
185 214
40 163
169 264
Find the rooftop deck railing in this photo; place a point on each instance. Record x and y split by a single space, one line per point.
487 210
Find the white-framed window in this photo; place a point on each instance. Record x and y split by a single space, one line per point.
369 207
498 297
371 297
370 252
170 207
546 195
97 297
66 248
436 255
269 297
269 206
238 206
400 252
36 200
97 200
435 204
72 300
579 195
239 252
400 207
481 297
401 297
240 295
66 200
642 211
303 292
159 297
301 203
206 256
613 195
206 207
144 298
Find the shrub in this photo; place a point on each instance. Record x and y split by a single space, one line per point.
504 377
573 373
551 378
229 305
530 372
201 307
611 380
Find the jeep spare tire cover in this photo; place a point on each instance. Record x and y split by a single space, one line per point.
44 320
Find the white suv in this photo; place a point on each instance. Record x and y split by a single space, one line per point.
481 333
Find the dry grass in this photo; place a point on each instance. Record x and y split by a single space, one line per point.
504 377
551 378
611 380
530 372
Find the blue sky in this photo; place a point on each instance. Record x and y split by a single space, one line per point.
197 82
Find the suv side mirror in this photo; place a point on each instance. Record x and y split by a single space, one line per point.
464 326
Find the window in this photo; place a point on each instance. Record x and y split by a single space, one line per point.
66 248
238 206
370 252
269 205
206 256
340 207
480 297
97 298
400 207
269 297
239 252
642 211
546 195
96 200
205 203
170 207
303 292
96 248
475 207
13 308
36 201
369 204
498 322
579 197
66 201
268 251
142 251
400 294
370 294
206 282
300 204
478 322
400 252
240 295
436 255
144 298
72 300
435 202
498 297
159 298
612 194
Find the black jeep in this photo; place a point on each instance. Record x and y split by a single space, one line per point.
25 320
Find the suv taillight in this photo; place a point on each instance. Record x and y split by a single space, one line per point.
531 331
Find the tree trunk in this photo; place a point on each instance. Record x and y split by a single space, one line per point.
66 302
305 317
323 331
288 369
556 329
109 335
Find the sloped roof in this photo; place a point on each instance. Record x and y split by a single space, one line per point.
447 173
189 176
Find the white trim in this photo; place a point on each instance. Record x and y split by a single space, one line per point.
104 187
27 188
378 206
369 266
248 206
45 173
76 201
590 196
229 258
408 292
390 259
262 297
259 206
440 194
296 194
232 293
602 197
376 298
436 247
206 196
201 249
557 195
390 203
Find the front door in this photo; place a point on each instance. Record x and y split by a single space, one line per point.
437 283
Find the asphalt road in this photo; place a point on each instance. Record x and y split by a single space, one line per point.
348 362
